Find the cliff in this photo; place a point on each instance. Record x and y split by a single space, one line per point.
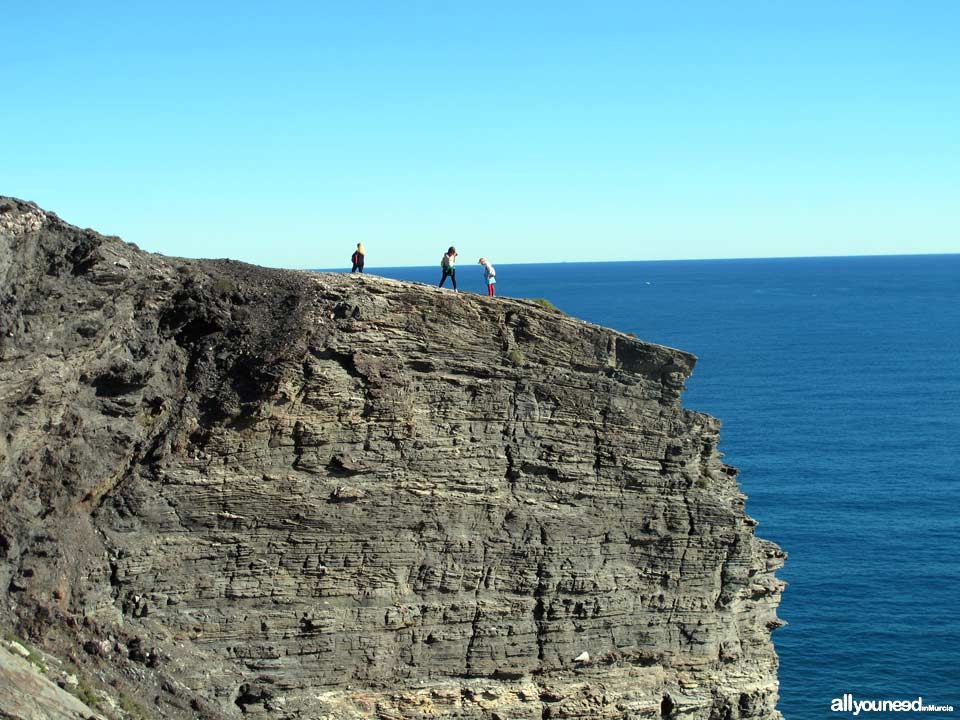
231 490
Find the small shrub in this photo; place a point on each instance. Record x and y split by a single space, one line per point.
517 357
547 305
223 286
82 690
86 695
132 707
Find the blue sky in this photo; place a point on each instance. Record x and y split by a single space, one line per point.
285 133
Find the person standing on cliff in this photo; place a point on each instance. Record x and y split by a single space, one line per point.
490 275
359 255
448 263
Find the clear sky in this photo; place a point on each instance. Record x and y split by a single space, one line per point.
284 133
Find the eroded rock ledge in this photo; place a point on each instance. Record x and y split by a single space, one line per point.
232 490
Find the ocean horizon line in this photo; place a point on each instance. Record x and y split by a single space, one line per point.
873 256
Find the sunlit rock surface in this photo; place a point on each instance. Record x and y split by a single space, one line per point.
232 490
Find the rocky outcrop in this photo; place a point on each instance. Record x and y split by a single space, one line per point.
26 691
231 490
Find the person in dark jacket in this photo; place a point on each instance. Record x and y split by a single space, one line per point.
357 258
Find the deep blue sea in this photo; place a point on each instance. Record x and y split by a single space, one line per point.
838 383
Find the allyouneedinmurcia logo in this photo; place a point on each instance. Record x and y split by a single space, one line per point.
848 704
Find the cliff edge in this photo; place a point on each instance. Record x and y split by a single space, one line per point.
229 490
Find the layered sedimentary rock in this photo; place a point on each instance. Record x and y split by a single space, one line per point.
232 490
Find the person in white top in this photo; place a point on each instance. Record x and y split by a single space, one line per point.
490 275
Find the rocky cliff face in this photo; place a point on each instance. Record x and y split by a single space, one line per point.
232 490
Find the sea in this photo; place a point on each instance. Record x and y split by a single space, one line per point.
838 384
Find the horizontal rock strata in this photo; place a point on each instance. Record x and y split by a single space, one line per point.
323 495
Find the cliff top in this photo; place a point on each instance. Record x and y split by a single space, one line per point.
61 247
